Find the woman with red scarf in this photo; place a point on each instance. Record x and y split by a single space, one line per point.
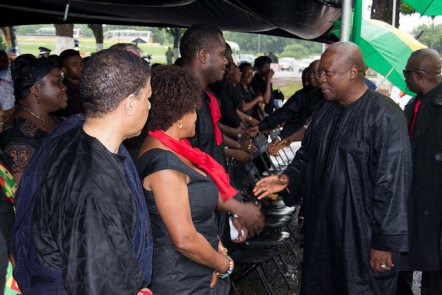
183 188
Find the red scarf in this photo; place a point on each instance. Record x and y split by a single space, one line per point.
216 115
201 160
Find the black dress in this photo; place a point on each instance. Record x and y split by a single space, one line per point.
173 273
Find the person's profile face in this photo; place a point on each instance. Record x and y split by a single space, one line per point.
144 108
52 91
247 75
217 61
264 70
73 66
189 123
313 74
410 76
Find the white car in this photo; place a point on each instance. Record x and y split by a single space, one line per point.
287 64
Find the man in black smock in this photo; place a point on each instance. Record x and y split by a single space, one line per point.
203 53
354 171
82 221
424 115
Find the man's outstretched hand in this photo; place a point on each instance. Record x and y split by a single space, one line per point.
270 184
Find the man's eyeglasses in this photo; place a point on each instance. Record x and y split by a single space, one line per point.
406 72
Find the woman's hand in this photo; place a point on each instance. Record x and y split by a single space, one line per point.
214 279
242 230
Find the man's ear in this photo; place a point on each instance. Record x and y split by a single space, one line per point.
354 72
203 55
130 104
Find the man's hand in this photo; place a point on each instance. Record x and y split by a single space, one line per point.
247 145
381 261
276 145
251 217
270 184
253 131
239 155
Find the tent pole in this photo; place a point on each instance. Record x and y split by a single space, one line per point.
393 17
346 20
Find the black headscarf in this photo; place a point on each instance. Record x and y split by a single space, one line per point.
26 71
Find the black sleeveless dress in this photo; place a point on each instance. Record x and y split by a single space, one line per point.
172 272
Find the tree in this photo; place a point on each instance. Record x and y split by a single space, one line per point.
65 37
382 10
97 29
431 38
301 49
176 33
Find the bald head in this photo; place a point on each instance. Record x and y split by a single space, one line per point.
423 69
427 60
348 54
342 72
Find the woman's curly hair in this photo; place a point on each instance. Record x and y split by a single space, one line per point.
175 92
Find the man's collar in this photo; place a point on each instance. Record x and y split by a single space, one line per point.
435 95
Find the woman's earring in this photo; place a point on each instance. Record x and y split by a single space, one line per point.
180 124
38 99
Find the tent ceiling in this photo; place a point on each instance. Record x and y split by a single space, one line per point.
306 19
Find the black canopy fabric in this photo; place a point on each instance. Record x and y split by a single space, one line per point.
306 19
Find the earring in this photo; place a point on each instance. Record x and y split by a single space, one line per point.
38 99
180 124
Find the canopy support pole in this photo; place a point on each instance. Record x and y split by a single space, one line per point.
393 17
346 20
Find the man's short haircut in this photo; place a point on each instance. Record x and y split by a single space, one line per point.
174 89
126 46
261 61
65 54
109 77
196 38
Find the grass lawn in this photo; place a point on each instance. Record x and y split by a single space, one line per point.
87 46
287 86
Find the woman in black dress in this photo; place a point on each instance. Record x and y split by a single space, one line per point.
182 198
39 91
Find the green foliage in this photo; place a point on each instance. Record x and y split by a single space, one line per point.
254 43
433 40
282 47
248 43
2 42
406 9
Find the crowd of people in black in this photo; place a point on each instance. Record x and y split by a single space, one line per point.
121 179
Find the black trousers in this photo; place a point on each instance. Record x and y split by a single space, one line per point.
431 283
3 262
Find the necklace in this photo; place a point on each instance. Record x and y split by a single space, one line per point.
44 120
